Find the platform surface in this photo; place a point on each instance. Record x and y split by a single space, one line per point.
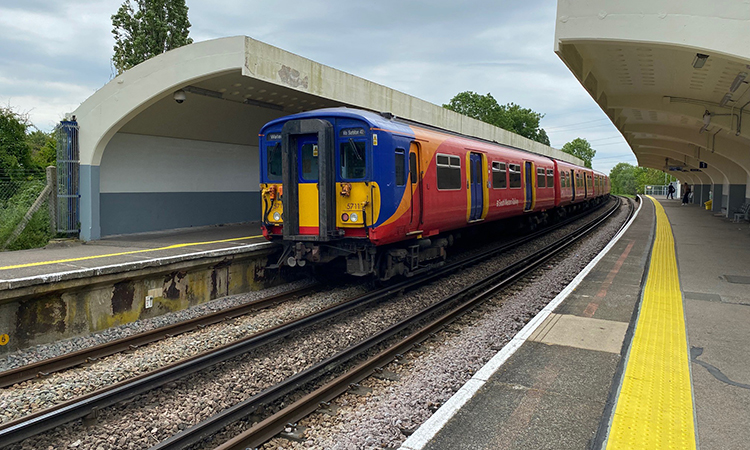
124 250
560 389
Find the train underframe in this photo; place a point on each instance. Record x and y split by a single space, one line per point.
407 258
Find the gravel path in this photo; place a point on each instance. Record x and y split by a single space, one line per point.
158 414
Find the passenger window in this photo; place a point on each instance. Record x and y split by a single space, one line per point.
550 177
448 172
353 159
310 162
400 167
540 178
499 175
413 168
273 157
514 175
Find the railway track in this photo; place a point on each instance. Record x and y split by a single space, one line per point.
91 354
44 420
462 302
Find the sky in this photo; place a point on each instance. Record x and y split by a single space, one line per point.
54 55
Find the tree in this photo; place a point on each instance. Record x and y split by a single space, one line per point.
510 117
43 148
15 156
151 28
580 148
622 179
628 179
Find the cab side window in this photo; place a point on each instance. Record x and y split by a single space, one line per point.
400 167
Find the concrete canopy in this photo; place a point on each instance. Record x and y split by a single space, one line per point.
147 160
643 63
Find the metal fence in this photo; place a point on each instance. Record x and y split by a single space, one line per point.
661 190
20 190
68 192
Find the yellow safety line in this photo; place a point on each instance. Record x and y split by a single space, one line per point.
655 405
83 258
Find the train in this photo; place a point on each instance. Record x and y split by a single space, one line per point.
388 196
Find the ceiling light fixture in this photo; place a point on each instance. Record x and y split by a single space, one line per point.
739 79
263 104
727 98
706 121
204 92
700 60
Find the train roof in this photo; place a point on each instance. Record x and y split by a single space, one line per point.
393 123
374 120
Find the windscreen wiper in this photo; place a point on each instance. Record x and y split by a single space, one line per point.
355 148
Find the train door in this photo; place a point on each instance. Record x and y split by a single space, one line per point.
307 155
415 187
585 185
529 186
573 184
476 186
308 177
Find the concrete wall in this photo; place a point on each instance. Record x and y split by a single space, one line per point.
717 198
154 183
49 312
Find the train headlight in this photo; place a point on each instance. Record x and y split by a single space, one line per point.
354 217
276 216
345 217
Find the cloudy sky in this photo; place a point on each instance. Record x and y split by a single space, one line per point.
53 54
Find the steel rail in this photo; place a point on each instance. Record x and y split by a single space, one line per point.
269 427
91 354
57 415
45 367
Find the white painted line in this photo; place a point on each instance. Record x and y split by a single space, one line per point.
437 421
103 270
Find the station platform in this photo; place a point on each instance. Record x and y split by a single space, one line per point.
71 289
649 350
75 259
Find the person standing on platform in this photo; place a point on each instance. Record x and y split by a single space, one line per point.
686 195
670 191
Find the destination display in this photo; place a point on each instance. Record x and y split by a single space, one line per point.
352 132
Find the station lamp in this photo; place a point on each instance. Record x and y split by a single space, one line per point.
700 60
738 80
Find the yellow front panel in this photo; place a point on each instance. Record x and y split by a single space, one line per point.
362 199
655 406
276 204
309 215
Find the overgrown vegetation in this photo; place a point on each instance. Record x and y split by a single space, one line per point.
628 179
24 153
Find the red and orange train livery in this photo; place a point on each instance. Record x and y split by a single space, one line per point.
388 195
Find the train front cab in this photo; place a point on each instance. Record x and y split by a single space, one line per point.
312 193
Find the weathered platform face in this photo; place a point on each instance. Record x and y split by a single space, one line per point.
75 289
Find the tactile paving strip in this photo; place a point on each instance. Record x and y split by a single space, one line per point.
655 405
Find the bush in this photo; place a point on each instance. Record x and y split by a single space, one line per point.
12 210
